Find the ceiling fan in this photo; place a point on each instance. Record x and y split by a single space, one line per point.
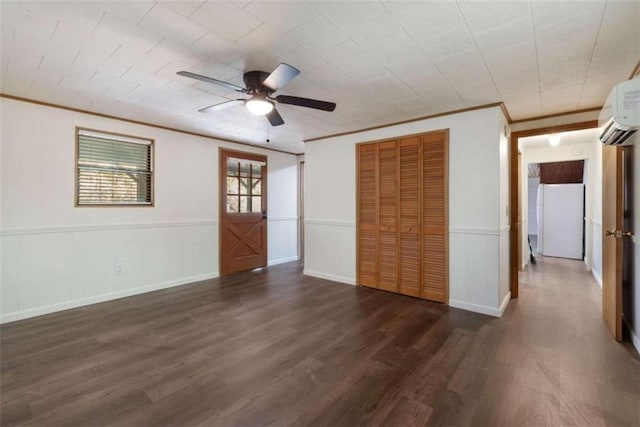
260 86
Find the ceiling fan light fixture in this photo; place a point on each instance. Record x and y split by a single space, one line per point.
259 106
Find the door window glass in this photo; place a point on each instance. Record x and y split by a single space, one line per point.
244 186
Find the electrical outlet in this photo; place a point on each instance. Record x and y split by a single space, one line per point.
119 269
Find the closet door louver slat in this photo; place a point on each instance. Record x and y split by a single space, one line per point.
368 215
434 217
409 234
388 216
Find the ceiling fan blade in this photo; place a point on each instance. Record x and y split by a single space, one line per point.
275 118
279 77
211 80
306 102
220 106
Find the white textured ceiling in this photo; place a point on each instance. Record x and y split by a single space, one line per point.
380 61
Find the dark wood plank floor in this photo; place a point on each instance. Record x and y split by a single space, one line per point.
274 348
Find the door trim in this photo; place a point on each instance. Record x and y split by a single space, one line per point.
223 154
300 211
515 233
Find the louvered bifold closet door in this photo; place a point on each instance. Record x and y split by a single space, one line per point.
435 268
388 216
368 215
409 233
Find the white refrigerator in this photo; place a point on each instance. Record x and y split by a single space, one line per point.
561 220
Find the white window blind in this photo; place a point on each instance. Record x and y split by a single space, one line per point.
113 169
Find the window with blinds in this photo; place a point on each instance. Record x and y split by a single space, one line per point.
113 170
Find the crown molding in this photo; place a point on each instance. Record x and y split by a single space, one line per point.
432 116
548 116
138 122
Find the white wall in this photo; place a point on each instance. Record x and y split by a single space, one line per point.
587 151
56 256
503 253
595 177
532 205
478 195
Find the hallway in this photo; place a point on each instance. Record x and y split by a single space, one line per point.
561 353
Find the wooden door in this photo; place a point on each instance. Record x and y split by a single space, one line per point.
612 245
435 214
367 215
410 195
388 216
243 211
402 222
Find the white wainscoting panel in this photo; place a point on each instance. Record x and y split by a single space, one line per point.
283 239
505 286
474 270
475 263
596 254
47 270
332 254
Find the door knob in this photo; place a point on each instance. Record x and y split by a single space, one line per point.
618 234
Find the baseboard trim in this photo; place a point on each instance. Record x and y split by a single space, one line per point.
505 303
282 260
597 277
332 277
39 311
482 309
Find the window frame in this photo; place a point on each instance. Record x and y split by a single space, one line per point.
151 141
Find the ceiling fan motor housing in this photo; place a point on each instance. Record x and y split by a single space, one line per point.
253 82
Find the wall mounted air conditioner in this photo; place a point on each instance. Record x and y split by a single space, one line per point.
620 115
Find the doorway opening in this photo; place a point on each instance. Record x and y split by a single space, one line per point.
606 204
556 218
561 192
540 151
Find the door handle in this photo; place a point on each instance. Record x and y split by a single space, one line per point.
264 214
618 234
